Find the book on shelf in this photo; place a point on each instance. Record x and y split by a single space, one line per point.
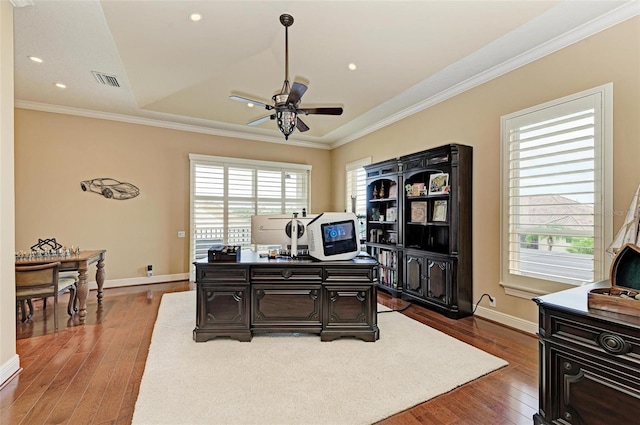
439 211
419 212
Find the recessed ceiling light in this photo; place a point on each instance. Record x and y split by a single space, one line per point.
250 105
61 86
35 59
195 17
352 66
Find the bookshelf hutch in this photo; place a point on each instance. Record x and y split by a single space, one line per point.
419 227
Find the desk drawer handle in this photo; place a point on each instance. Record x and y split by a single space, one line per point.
613 344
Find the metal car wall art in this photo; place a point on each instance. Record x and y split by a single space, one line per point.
110 188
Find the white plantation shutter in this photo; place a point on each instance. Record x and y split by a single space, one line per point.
226 192
356 186
356 189
555 170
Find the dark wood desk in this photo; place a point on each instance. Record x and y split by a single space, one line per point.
80 263
258 295
589 362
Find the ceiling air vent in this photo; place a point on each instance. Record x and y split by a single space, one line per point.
106 79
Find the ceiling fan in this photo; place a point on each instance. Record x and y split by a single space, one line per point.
286 105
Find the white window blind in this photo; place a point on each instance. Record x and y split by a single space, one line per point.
356 192
226 192
556 168
356 187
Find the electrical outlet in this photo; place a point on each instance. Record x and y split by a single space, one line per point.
149 270
181 233
492 301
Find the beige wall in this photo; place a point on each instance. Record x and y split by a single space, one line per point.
54 152
473 118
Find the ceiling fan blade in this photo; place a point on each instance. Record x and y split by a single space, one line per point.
297 90
255 102
321 111
261 120
301 126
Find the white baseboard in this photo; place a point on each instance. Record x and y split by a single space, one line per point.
132 281
507 320
8 369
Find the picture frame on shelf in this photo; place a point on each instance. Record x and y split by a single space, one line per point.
439 211
375 214
417 189
419 212
393 191
439 184
392 214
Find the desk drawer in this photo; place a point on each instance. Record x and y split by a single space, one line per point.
283 274
592 336
349 274
222 274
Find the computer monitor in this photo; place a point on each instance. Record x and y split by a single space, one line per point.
333 236
277 229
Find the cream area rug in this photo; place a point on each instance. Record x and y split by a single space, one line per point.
295 378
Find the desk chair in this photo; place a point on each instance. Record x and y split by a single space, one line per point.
42 281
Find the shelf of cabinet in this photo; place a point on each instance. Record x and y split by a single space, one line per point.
429 223
383 200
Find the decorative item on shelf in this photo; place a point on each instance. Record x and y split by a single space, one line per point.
393 191
408 188
439 211
418 212
439 184
381 194
375 235
392 237
417 189
392 214
375 192
375 214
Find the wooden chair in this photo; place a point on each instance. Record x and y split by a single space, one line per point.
42 281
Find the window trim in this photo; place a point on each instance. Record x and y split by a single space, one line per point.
527 287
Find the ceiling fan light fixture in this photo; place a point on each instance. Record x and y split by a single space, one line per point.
287 121
286 105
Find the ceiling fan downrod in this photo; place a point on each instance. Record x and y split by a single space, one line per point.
287 21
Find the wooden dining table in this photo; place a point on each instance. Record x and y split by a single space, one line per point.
77 262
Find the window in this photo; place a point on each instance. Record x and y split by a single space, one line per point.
226 192
356 187
356 191
556 187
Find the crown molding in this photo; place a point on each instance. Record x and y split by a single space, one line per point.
582 32
131 119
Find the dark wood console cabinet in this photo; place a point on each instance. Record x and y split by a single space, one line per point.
258 295
589 362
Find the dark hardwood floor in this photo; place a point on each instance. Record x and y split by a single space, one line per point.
90 374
